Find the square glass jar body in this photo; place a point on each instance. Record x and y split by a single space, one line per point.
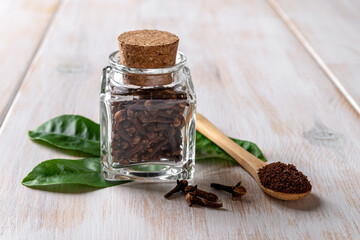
147 119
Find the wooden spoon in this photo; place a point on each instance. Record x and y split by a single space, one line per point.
248 161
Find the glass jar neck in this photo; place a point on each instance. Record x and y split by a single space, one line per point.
146 76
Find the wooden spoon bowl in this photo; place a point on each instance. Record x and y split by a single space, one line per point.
248 161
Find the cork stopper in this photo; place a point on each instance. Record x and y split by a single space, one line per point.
148 49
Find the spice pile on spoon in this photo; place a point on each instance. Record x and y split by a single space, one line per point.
285 178
280 180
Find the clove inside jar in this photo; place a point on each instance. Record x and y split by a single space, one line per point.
147 119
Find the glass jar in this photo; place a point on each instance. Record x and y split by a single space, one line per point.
147 130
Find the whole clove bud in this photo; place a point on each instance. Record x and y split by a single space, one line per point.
236 191
150 120
192 198
181 184
208 196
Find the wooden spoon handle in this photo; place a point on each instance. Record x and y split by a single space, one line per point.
243 157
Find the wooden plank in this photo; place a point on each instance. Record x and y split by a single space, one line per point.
254 81
22 26
330 31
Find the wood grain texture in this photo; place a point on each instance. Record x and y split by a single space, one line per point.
254 81
248 161
22 27
330 31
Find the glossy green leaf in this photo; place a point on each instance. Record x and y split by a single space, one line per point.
85 171
79 134
70 132
206 149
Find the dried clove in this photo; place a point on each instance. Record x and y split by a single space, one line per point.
150 119
192 198
236 191
180 185
206 195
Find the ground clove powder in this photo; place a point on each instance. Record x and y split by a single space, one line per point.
285 178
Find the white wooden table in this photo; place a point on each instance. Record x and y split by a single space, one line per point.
281 73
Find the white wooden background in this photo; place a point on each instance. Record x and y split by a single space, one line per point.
281 73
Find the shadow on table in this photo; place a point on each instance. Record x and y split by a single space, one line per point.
309 203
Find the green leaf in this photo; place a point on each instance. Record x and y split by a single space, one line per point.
79 134
82 135
85 171
71 132
206 149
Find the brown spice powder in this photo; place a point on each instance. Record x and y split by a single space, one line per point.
285 178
